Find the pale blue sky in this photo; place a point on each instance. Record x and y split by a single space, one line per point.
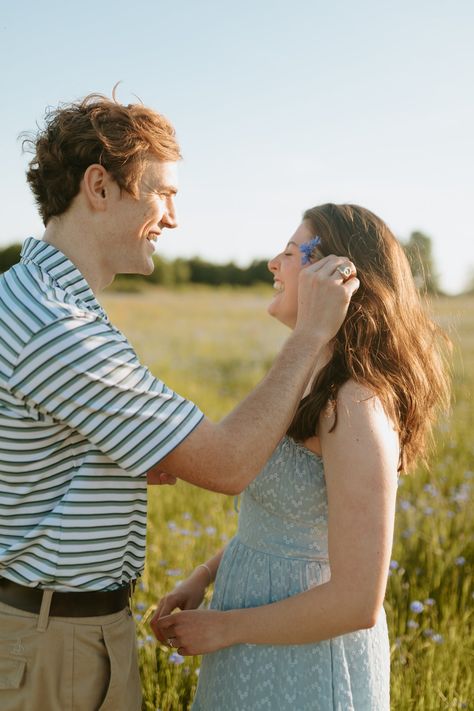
278 106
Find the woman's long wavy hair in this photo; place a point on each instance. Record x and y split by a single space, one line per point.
387 342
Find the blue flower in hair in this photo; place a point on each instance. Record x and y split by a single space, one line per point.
307 249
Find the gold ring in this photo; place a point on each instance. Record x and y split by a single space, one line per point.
345 272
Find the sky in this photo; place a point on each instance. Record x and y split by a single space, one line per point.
277 106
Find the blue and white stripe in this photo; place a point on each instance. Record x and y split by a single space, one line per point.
81 422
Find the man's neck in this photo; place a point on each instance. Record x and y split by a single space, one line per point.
75 242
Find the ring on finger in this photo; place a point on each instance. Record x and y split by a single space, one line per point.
345 271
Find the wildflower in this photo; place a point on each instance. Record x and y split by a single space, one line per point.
428 632
140 606
460 560
428 511
430 489
210 530
173 572
172 525
176 658
430 602
437 638
393 565
405 505
416 606
412 624
187 516
307 249
139 618
408 533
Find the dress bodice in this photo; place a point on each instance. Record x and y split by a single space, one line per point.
284 511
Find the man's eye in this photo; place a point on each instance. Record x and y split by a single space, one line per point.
288 254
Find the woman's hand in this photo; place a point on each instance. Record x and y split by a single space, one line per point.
186 596
195 631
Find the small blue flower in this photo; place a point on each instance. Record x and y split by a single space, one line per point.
210 530
174 572
307 249
140 606
438 638
176 658
460 561
405 505
416 606
393 565
412 624
430 602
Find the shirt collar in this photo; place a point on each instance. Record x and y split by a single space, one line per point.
59 268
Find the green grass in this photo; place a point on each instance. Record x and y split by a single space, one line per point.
213 345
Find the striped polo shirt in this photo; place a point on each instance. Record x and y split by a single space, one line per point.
81 422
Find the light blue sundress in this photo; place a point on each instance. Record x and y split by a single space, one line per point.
281 549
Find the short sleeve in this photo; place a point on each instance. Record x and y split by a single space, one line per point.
84 373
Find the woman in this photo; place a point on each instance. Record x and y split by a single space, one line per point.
297 620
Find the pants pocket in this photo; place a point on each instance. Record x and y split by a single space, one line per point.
12 671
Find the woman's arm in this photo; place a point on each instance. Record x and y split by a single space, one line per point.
360 463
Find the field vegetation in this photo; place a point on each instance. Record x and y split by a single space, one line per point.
213 345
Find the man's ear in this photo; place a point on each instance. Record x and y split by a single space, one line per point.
96 185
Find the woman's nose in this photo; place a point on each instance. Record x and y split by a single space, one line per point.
272 264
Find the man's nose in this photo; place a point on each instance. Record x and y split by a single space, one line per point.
170 218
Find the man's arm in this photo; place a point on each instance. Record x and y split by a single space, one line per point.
226 456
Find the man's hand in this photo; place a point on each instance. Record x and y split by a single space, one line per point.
159 478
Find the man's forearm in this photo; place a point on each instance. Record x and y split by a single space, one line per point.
226 456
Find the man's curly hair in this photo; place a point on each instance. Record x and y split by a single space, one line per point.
94 130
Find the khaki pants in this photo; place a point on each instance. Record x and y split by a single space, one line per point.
67 664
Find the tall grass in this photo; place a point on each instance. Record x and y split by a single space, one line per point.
213 346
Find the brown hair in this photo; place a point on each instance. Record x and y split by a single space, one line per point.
94 130
387 341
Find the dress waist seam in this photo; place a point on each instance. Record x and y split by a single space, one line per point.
306 559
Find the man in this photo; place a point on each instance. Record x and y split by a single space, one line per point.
82 422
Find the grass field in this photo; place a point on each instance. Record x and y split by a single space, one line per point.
213 346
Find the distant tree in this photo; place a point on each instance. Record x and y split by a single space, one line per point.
9 256
420 256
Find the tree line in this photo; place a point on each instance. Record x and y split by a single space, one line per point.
173 272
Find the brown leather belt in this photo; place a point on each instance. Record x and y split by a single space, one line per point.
65 604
